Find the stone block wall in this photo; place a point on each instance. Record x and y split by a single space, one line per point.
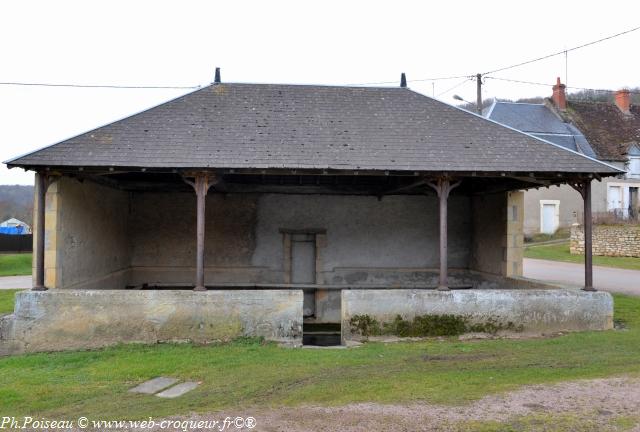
497 229
534 311
57 320
608 240
52 233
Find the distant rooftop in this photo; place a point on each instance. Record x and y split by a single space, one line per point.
540 121
610 131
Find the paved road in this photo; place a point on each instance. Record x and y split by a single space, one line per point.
604 278
15 282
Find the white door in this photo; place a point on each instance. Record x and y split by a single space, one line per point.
614 198
549 218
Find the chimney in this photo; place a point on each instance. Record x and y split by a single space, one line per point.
216 80
623 101
559 96
403 80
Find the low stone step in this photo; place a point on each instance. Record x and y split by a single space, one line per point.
154 385
178 390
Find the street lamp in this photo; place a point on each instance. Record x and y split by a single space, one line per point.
459 98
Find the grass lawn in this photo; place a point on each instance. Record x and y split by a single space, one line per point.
15 264
248 374
560 252
7 300
561 234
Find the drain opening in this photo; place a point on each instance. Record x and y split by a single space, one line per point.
321 334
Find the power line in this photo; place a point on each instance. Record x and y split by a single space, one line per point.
551 85
565 51
114 86
441 78
454 87
97 86
412 80
562 52
519 81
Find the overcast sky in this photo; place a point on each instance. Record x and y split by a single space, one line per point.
325 42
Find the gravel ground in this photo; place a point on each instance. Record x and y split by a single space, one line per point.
593 404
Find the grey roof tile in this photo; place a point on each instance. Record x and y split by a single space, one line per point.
538 120
296 126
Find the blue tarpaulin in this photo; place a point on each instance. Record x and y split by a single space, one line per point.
18 230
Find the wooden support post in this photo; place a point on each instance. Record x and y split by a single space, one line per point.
41 191
588 236
201 184
584 188
443 187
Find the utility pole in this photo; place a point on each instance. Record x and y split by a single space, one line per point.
479 89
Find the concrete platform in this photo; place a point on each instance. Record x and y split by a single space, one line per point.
178 390
154 385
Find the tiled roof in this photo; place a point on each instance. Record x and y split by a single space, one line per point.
609 131
540 121
320 127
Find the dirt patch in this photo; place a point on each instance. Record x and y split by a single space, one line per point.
589 405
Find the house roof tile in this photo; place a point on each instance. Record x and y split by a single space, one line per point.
610 132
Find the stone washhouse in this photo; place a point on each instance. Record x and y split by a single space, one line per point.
260 210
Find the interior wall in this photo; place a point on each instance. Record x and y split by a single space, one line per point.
106 238
88 232
244 242
364 234
163 238
498 233
489 227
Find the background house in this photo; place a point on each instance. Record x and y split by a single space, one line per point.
14 226
607 131
613 129
16 201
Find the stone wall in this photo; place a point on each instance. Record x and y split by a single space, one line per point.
244 238
608 240
497 231
86 238
534 311
58 320
97 237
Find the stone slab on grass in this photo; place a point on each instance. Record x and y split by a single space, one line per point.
178 390
154 385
